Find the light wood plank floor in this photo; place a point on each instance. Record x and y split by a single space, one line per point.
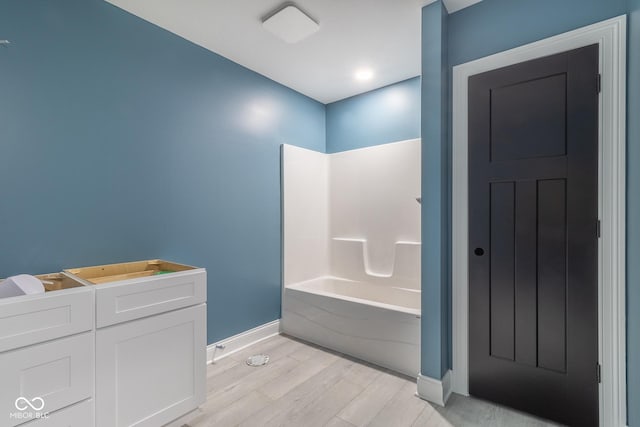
306 386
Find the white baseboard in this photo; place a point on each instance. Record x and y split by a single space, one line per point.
435 391
227 346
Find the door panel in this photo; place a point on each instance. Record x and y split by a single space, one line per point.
502 257
525 273
552 273
538 125
533 147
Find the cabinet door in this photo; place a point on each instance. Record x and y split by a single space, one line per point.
50 376
151 371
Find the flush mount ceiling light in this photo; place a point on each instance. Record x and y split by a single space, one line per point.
363 74
290 24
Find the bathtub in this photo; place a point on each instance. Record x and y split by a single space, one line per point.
376 323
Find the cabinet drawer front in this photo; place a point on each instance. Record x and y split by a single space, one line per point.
31 319
137 298
78 415
58 372
151 371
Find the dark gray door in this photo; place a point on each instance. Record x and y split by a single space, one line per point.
533 203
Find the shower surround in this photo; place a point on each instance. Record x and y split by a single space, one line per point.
351 279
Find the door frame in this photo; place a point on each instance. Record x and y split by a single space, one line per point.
610 35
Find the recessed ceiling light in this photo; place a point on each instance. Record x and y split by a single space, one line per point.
290 24
363 74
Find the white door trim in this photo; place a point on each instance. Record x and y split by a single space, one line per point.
610 35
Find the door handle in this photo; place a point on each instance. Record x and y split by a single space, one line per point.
478 251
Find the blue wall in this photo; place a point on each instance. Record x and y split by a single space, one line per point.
435 288
633 215
385 115
120 141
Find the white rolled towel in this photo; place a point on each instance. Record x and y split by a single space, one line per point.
22 284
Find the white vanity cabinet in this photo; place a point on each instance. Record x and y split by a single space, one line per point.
150 341
46 353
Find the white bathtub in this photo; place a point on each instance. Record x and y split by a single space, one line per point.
350 317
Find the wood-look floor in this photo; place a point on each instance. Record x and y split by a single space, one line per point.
306 386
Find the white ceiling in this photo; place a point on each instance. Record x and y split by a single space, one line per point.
383 35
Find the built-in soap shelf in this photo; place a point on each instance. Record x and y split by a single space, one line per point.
350 253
